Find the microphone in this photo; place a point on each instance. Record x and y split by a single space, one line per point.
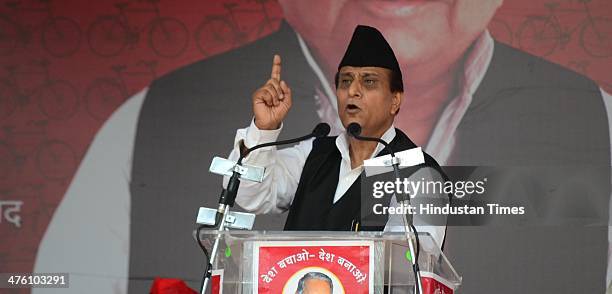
228 196
321 130
354 129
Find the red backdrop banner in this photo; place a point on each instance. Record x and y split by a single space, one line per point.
67 65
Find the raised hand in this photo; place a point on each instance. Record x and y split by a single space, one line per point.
272 101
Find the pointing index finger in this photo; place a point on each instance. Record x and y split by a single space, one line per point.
276 67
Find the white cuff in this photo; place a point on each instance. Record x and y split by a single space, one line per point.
255 136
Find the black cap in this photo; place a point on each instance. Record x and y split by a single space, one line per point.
368 47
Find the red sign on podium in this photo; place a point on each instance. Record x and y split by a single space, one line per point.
328 267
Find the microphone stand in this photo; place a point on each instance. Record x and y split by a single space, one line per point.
226 201
228 195
354 130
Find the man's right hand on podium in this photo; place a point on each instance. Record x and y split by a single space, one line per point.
272 101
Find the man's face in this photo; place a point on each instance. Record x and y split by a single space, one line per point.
419 31
365 97
315 286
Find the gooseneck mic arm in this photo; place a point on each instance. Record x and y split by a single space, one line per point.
321 130
228 196
354 129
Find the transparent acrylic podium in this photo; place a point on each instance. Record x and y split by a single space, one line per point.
377 262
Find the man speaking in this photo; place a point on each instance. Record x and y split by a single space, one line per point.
318 180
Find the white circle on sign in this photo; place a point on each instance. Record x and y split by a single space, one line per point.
292 283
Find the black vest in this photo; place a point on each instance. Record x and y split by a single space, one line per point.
312 207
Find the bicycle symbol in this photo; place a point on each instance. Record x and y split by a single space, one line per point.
109 35
218 33
543 34
57 99
60 36
105 94
54 159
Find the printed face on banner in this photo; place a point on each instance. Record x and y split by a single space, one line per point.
313 268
